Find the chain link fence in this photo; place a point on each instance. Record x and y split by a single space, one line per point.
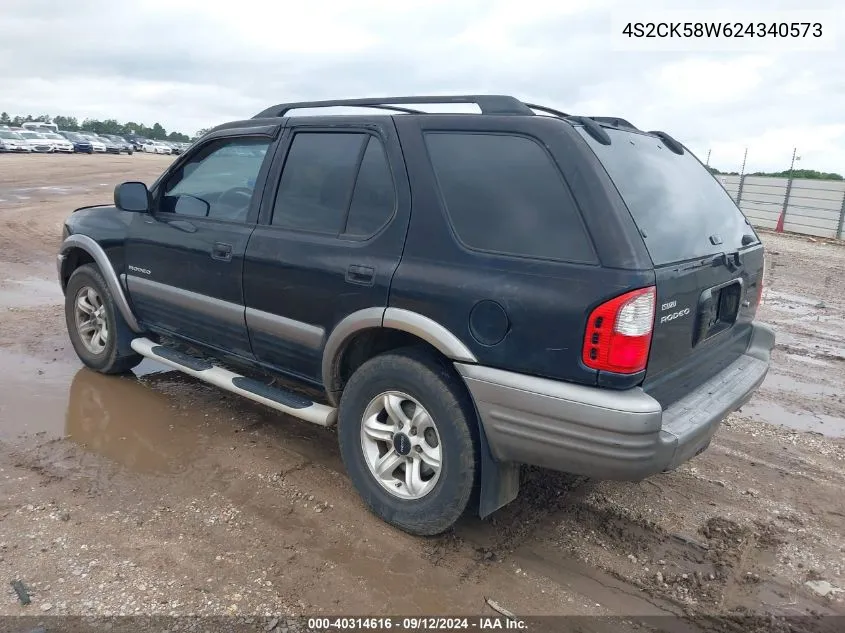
798 205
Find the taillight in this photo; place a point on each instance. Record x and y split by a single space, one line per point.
618 336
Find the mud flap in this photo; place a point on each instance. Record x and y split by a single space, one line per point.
499 480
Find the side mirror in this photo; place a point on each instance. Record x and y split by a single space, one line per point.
132 196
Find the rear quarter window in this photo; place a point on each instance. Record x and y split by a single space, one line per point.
504 194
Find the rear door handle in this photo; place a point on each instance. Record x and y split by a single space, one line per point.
221 252
361 275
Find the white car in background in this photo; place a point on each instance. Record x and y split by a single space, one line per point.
11 141
37 142
154 147
60 143
96 142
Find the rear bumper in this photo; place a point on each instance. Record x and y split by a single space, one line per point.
604 433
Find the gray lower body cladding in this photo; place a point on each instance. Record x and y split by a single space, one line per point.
607 434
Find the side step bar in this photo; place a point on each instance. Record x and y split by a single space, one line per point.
285 401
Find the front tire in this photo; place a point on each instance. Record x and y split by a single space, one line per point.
98 333
409 440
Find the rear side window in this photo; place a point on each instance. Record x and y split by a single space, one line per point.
374 198
504 195
335 183
679 208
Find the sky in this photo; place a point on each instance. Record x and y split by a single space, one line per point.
190 64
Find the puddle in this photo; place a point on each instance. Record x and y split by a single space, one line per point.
779 382
33 396
774 413
30 292
806 396
117 417
818 362
130 423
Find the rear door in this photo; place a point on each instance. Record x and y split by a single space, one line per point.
708 260
330 237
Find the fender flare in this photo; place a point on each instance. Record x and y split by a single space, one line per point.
393 319
103 262
499 481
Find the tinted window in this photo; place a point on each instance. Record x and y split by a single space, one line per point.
374 198
504 194
673 199
316 185
217 182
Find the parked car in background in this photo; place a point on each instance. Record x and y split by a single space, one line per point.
40 126
11 141
157 147
96 141
111 146
81 144
37 142
60 143
137 142
122 143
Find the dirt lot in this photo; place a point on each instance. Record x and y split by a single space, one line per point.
156 494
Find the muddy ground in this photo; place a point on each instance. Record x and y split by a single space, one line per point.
156 494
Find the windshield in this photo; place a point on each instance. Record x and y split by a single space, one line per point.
29 135
54 136
9 134
679 207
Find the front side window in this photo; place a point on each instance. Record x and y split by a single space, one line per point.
218 182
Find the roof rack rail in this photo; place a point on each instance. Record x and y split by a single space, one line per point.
668 141
614 121
548 110
488 104
593 129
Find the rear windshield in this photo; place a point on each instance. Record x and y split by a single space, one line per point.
677 205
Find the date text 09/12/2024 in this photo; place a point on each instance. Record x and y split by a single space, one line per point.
417 623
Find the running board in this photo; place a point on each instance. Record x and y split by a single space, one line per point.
285 401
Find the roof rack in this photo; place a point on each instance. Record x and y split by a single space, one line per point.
488 104
548 110
614 121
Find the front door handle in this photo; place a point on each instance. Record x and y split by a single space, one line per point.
361 275
183 225
221 252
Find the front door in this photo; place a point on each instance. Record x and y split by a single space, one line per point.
184 260
330 237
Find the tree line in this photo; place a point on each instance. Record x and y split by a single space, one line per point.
810 174
108 126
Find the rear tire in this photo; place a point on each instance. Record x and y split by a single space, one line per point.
97 331
414 394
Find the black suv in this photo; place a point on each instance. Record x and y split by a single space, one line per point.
459 293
